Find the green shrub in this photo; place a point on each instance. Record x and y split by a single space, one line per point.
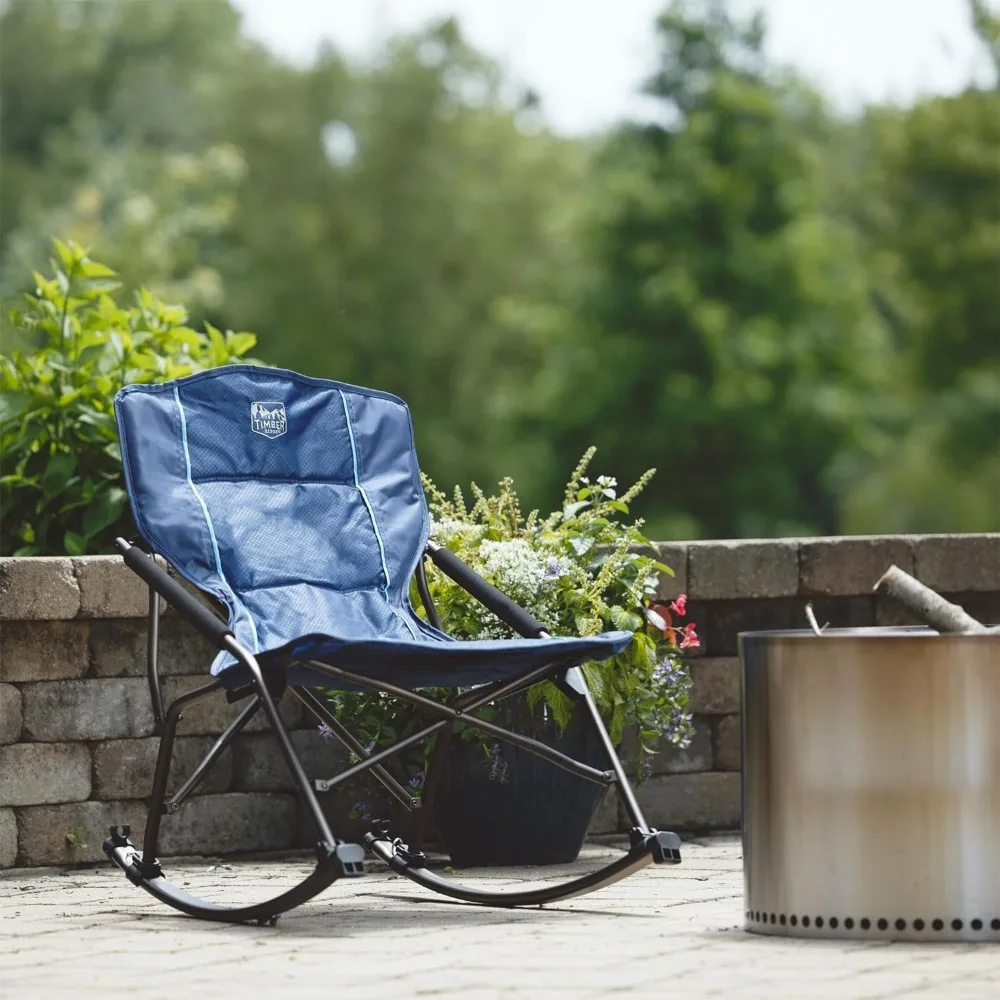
61 487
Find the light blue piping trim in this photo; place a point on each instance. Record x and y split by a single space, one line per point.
371 513
208 519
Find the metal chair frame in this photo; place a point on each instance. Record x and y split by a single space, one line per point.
336 858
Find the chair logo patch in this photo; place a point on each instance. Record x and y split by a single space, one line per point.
268 419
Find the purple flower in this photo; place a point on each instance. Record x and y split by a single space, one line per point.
325 732
678 728
498 768
553 569
417 780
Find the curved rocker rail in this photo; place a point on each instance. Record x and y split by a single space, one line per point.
656 847
127 857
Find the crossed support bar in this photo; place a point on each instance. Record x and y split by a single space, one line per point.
334 857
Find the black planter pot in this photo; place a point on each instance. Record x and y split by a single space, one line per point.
529 813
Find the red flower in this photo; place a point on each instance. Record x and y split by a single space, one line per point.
679 607
689 638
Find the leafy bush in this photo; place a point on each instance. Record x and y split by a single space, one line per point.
60 492
580 571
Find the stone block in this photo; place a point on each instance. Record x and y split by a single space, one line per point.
109 589
214 713
230 824
43 650
34 773
850 565
73 833
258 765
671 759
10 714
720 622
94 709
123 769
674 555
955 563
606 818
716 685
38 587
118 648
8 838
743 569
692 802
727 743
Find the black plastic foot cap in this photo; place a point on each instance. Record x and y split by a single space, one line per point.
665 848
351 859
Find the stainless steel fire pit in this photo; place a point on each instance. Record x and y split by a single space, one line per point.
871 784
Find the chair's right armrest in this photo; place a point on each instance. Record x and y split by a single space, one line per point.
211 627
504 607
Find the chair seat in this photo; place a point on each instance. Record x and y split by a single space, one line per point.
430 662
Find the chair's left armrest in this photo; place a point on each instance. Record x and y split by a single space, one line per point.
211 627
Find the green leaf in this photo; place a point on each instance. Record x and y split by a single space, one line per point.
69 256
94 269
58 471
240 343
12 405
104 509
75 545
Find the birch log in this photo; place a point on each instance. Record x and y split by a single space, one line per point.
929 606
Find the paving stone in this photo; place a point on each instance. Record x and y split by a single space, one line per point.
258 765
735 569
109 589
38 587
674 555
8 838
850 565
93 709
692 802
955 563
33 773
73 833
235 822
716 686
10 714
727 743
123 769
43 650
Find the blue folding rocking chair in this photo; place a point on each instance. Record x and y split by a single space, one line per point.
296 502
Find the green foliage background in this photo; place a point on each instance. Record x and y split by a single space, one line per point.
794 314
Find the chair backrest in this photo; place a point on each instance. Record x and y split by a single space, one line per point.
295 501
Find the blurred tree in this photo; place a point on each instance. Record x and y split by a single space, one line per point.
925 194
110 113
729 334
393 217
794 315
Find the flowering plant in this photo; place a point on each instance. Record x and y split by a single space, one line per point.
581 570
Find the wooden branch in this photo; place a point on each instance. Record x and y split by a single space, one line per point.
929 606
811 615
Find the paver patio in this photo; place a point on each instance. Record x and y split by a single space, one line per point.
672 933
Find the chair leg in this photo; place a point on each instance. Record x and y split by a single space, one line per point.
647 846
335 858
